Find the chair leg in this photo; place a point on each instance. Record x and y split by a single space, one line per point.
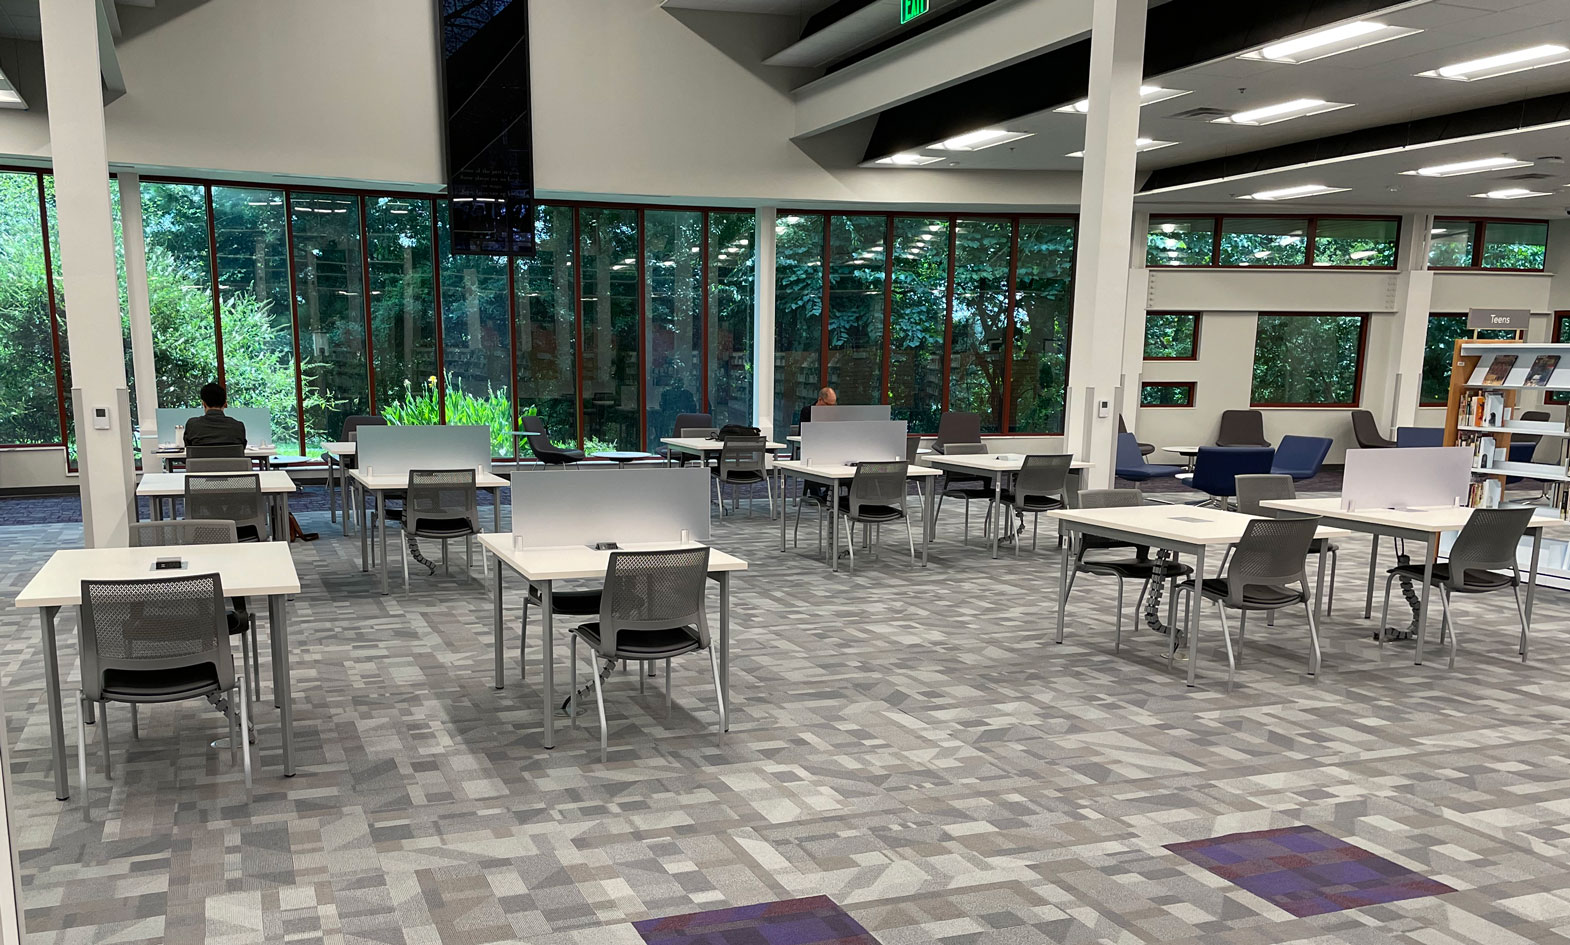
572 681
795 536
1010 519
850 542
232 715
1221 613
446 564
136 731
404 543
1384 610
599 699
911 539
247 639
641 678
719 694
1330 595
1035 530
966 539
245 730
81 747
523 639
1117 627
1444 603
103 737
667 690
1315 654
256 659
1242 631
1520 612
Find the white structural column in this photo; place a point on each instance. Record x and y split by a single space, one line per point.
763 322
138 306
1117 51
81 172
1414 299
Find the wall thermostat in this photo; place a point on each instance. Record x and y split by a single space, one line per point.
100 418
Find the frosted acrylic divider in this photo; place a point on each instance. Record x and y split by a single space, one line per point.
852 441
394 450
853 412
626 505
1406 477
258 423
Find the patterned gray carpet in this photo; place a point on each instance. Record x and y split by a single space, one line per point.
906 742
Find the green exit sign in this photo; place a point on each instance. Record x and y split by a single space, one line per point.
910 9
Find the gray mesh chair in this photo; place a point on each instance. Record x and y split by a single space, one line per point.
688 424
957 428
226 451
743 462
242 622
156 640
1255 489
877 495
1268 559
441 504
1486 545
217 464
1139 568
1038 487
954 484
652 608
234 498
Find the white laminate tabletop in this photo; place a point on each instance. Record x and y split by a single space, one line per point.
178 452
1185 524
1431 519
341 449
1182 450
385 482
248 569
166 484
702 444
567 562
990 462
840 471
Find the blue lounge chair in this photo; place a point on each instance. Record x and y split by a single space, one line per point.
1216 469
1131 463
1300 456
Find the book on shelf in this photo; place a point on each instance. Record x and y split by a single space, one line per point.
1542 369
1484 494
1499 370
1486 410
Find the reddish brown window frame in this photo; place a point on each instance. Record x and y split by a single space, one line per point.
1190 387
1480 241
1311 232
1357 379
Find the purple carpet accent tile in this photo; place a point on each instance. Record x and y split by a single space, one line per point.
1305 871
815 920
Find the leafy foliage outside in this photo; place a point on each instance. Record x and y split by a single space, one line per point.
422 407
1271 241
1170 334
1159 394
1439 350
1307 359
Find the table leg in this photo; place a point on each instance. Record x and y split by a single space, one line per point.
155 506
332 495
496 512
283 515
501 681
1067 553
347 490
548 654
1531 580
997 511
52 695
1373 567
724 579
1319 581
926 517
1194 610
1430 549
365 541
278 635
381 533
782 506
834 525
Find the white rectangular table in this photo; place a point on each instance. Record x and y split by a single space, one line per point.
382 483
996 467
170 456
252 569
277 487
1184 529
1424 525
333 453
834 476
704 448
543 566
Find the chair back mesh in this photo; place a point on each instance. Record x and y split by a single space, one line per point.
965 449
224 451
234 498
185 532
742 454
1106 499
1271 553
153 624
957 429
686 422
217 464
1042 476
878 484
654 590
438 499
1488 542
700 431
1262 487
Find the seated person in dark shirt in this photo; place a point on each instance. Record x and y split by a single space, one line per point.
214 428
826 398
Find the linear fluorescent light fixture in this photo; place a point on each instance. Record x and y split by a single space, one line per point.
1148 95
1478 166
10 98
1512 193
980 140
1489 67
1140 144
1281 111
1292 193
907 159
1329 42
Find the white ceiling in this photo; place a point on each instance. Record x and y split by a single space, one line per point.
19 19
1380 81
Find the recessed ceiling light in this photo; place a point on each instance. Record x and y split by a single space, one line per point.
1533 57
1148 95
980 140
1477 166
1282 111
1140 144
1292 193
907 159
1512 193
1329 42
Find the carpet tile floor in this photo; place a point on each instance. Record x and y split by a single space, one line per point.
907 743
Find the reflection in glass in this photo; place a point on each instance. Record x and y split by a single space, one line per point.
856 260
547 329
1355 242
732 278
1180 241
330 300
1514 245
29 411
1264 241
1450 243
673 312
920 292
608 241
180 291
1307 359
403 309
1043 309
798 317
981 273
476 345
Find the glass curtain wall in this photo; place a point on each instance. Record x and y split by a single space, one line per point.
982 253
608 241
1043 310
476 346
29 404
857 257
401 266
798 317
329 295
732 304
673 306
919 321
547 329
